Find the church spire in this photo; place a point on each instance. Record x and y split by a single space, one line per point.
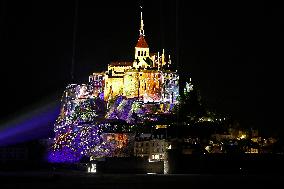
141 41
141 24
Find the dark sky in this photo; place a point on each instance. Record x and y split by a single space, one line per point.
218 44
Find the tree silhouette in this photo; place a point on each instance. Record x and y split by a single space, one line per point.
191 107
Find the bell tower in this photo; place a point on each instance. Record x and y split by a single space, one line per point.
141 49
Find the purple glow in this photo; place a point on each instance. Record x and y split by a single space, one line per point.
33 125
79 130
87 141
101 96
65 155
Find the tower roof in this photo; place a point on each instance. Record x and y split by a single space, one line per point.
142 42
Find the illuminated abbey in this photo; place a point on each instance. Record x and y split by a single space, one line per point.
100 119
148 78
131 110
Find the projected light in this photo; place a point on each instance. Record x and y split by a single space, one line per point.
32 125
126 92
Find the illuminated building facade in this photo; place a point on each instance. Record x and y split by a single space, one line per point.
128 92
96 80
152 148
147 78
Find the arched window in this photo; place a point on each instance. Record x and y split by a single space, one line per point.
144 53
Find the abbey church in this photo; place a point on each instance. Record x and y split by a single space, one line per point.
148 77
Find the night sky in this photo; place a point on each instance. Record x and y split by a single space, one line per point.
218 47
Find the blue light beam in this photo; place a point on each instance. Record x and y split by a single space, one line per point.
35 124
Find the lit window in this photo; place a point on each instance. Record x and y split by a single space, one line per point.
92 168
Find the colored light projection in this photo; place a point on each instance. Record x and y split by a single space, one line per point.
30 125
86 128
146 84
98 119
80 130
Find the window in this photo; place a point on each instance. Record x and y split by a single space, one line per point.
144 53
138 53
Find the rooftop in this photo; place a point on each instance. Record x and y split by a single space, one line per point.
142 42
118 63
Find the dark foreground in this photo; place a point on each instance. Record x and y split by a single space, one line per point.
88 180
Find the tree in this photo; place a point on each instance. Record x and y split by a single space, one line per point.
191 106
